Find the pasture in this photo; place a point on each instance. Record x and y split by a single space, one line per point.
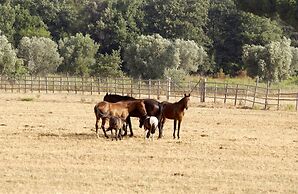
48 145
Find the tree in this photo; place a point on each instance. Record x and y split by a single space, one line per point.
149 56
271 62
294 64
172 19
108 65
113 24
259 30
10 65
27 25
79 54
40 55
224 30
7 20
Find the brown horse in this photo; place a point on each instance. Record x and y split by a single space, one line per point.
122 109
153 108
175 111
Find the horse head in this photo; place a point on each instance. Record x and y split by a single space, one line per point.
185 100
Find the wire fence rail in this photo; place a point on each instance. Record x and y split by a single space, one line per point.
206 91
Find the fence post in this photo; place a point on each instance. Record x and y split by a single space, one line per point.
46 80
131 87
31 86
246 93
19 84
203 90
149 88
122 86
255 92
39 84
60 84
83 89
168 88
91 84
25 84
67 80
236 95
115 85
215 93
139 87
76 85
297 101
5 87
266 98
158 89
278 97
53 84
98 85
226 93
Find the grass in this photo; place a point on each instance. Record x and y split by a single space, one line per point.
27 99
290 84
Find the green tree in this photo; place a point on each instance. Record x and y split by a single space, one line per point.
108 65
294 64
224 30
260 30
149 56
271 62
40 55
10 65
27 25
184 19
191 56
79 54
7 20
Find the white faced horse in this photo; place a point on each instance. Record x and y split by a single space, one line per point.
150 126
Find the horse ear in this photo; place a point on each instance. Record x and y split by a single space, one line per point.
188 95
184 95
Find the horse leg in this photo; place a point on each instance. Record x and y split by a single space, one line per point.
96 127
116 134
130 127
160 128
179 122
103 127
175 122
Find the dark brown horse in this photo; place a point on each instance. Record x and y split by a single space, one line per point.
153 108
104 110
174 111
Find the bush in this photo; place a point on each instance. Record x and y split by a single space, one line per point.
79 54
40 55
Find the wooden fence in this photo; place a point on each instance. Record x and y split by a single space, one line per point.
238 94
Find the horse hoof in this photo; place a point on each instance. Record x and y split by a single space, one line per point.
131 135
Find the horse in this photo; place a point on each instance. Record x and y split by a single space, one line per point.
150 125
104 110
116 123
175 111
153 108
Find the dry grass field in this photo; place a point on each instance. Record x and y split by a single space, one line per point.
48 145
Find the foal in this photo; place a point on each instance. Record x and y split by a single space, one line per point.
174 111
150 125
116 123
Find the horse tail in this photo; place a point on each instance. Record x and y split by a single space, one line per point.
160 105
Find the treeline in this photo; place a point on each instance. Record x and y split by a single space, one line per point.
149 39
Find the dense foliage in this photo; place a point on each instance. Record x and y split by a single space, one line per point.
150 38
